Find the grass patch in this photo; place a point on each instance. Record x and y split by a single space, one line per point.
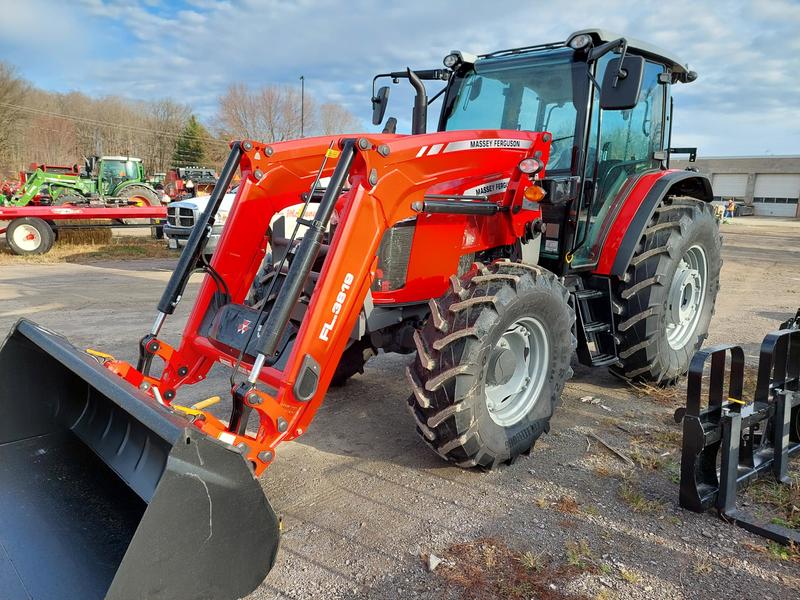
668 396
579 555
702 566
777 551
118 248
646 459
630 494
781 552
783 498
629 576
487 569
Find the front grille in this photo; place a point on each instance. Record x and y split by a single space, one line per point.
393 256
180 216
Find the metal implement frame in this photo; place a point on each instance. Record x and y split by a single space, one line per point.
751 439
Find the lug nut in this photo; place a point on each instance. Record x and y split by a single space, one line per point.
265 456
283 425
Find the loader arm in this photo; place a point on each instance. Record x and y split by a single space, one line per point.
389 177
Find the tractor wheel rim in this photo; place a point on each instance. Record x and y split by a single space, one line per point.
516 371
687 295
27 238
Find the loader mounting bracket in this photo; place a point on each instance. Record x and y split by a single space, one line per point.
751 439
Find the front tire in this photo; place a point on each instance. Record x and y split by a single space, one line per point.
29 235
491 364
666 298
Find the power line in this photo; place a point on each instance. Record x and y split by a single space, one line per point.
120 126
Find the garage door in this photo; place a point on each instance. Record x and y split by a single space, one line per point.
729 185
776 195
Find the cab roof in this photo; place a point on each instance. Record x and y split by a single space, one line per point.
679 68
648 50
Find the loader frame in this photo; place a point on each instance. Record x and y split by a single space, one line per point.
381 194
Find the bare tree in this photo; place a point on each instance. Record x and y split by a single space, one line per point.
335 118
270 114
12 92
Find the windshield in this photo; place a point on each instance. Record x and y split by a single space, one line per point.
534 93
118 170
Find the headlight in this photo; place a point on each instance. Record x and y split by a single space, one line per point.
451 60
456 57
530 166
580 41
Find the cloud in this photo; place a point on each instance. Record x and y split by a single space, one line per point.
746 52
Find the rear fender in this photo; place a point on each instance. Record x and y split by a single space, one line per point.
637 210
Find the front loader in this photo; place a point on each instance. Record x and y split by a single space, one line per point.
106 179
540 221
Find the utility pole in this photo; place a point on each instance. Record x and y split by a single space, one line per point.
302 104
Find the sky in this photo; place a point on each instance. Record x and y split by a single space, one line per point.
746 100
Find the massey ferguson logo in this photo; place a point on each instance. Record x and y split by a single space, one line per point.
336 308
243 326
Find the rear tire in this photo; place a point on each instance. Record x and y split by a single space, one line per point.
474 349
143 195
29 235
666 299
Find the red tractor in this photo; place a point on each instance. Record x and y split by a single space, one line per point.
540 219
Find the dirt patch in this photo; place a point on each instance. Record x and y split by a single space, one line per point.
487 569
119 248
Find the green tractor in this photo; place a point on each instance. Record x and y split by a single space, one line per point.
105 180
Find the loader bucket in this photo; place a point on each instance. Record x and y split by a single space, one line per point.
106 494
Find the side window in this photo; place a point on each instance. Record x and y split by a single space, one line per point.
624 148
633 135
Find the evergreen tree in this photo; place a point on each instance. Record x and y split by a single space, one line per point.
190 149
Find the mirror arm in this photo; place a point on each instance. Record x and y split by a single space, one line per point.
603 49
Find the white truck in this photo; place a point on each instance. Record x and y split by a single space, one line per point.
182 215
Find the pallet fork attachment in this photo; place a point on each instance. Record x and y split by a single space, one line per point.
747 439
104 493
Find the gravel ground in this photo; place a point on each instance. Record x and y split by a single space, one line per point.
362 498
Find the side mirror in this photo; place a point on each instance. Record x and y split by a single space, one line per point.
622 83
379 103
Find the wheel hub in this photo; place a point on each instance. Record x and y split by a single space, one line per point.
686 297
27 238
501 365
516 371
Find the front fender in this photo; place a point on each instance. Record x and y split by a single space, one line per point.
637 210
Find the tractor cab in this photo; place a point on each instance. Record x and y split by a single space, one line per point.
604 98
115 170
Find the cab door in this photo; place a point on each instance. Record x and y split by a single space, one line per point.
622 145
